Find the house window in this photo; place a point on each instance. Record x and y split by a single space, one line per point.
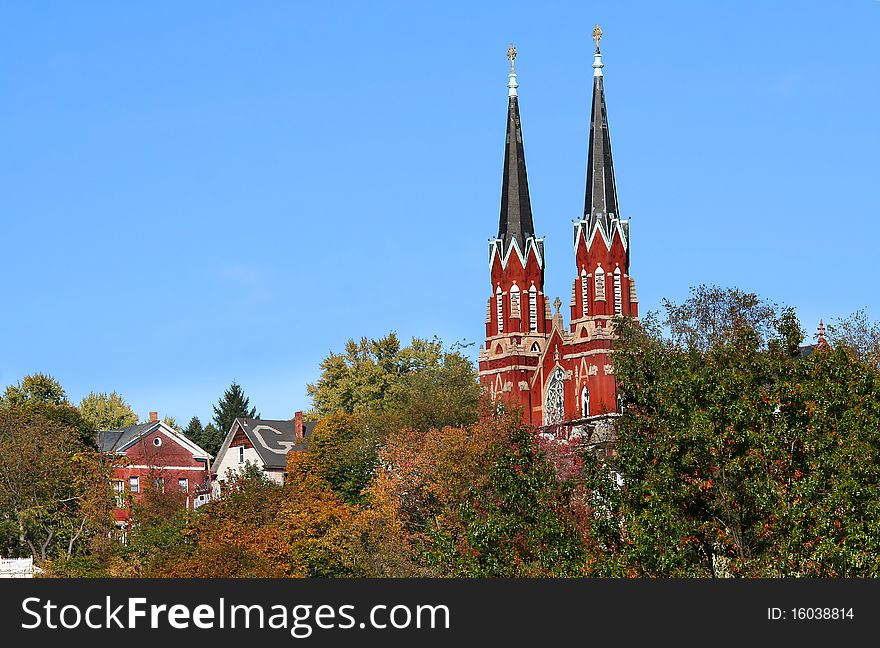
157 442
536 348
134 484
183 485
618 295
585 402
119 490
533 308
499 307
240 454
159 484
585 293
514 301
600 284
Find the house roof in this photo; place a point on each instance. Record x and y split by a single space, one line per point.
272 440
116 440
120 440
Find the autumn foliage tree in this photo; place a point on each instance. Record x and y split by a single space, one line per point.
480 500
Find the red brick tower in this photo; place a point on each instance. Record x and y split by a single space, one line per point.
560 376
602 288
518 313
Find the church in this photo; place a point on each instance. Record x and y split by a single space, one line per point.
562 377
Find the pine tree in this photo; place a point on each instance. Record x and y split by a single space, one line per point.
212 439
234 404
194 431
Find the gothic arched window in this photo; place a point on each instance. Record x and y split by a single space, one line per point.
600 284
499 307
514 302
618 294
533 308
585 402
585 293
554 401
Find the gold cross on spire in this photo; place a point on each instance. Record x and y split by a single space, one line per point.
511 55
597 35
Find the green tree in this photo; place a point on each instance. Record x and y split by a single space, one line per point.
106 411
212 439
387 388
374 374
41 396
54 489
738 457
194 430
234 404
712 314
345 449
859 334
35 388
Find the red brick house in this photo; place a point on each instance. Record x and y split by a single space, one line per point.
155 454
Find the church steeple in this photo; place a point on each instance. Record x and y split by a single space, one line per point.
600 204
515 223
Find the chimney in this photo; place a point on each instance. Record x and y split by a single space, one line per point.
298 425
154 417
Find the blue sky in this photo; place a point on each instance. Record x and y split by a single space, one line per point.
192 193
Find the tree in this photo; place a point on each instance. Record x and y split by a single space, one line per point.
420 387
260 529
475 501
54 489
738 458
859 335
345 453
194 431
212 439
106 412
171 422
35 388
233 405
41 396
712 314
158 534
373 375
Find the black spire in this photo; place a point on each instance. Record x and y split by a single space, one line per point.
516 209
600 204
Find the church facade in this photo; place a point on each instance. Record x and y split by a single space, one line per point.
562 377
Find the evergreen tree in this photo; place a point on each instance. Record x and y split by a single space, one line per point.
233 405
212 439
194 431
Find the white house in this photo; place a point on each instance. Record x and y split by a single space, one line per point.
262 442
